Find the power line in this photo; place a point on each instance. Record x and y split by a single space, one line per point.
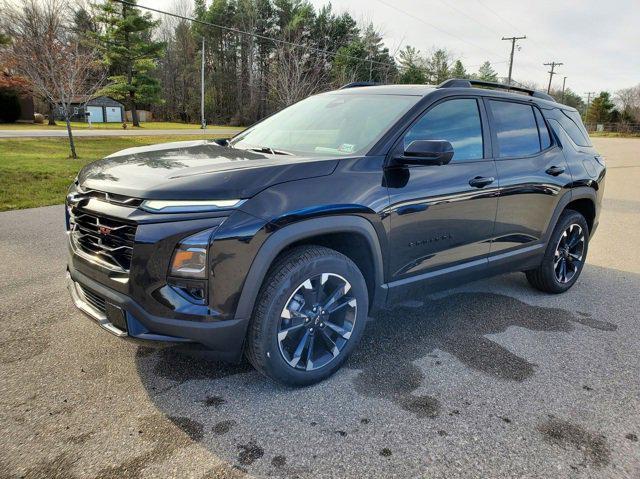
470 17
513 46
435 27
251 34
275 40
553 65
491 10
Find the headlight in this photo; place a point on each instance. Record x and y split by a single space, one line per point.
188 206
190 256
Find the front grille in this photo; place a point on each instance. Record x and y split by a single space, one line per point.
107 197
105 240
94 300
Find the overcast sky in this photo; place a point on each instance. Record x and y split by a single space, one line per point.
598 42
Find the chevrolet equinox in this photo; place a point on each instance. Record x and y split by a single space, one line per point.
279 242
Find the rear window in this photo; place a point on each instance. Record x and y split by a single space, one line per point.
572 124
516 129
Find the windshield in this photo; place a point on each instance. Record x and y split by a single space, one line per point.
328 124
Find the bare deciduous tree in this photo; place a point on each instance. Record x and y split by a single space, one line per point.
297 73
628 100
47 52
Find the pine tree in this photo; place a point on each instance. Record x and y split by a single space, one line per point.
458 70
411 66
438 66
131 55
600 108
487 73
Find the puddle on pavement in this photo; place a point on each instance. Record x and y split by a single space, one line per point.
567 435
457 324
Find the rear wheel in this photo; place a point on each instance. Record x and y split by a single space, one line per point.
309 316
565 255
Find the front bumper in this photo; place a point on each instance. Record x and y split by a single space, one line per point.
120 315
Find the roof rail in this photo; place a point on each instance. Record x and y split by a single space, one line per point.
355 84
460 83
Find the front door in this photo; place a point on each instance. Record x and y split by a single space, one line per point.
442 217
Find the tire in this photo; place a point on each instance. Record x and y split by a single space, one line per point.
284 314
548 276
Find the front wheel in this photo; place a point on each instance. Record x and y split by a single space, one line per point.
309 316
565 255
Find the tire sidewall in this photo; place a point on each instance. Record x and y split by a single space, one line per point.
566 220
274 363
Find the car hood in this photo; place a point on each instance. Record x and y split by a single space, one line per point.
199 169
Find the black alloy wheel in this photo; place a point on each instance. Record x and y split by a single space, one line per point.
309 315
565 255
569 255
317 321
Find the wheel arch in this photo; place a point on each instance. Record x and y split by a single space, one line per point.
582 199
335 232
586 207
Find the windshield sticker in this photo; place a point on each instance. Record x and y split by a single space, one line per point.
347 148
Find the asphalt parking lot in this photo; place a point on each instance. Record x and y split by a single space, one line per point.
492 379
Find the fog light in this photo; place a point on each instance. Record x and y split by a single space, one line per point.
190 257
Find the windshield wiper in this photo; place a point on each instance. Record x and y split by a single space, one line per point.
271 151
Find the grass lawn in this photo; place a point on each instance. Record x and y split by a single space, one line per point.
613 134
150 125
37 171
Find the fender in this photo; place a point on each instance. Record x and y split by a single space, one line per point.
571 195
299 231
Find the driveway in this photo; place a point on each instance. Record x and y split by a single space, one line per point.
35 133
492 379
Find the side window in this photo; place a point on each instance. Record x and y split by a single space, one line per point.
545 137
572 124
458 122
516 129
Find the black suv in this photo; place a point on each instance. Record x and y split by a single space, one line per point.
279 242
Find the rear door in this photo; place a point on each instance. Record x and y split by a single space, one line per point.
442 216
532 172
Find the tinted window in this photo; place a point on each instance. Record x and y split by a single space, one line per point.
458 122
571 122
545 138
516 129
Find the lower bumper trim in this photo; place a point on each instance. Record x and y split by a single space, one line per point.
225 338
80 300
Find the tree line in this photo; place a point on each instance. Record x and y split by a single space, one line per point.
260 56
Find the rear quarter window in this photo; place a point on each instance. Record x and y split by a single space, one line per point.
572 124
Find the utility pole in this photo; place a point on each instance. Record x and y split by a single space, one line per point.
586 112
513 46
553 66
564 81
203 122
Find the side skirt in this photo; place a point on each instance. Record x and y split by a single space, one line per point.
521 259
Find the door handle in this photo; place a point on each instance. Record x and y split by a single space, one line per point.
481 181
555 170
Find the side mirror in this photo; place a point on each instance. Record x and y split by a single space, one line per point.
427 152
